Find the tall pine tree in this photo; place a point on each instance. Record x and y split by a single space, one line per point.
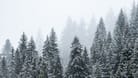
18 63
12 73
86 59
76 67
121 43
99 42
51 57
22 51
23 46
29 69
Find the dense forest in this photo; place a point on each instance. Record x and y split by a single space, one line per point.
112 55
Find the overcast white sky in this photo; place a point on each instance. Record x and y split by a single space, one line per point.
29 16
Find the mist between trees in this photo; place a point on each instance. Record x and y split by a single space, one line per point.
112 55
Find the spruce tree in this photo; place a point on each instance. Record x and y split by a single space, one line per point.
23 47
21 53
29 67
56 69
98 43
98 55
109 48
76 67
120 34
51 57
34 57
18 63
12 73
133 29
46 59
86 60
107 69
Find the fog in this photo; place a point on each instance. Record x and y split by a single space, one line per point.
30 16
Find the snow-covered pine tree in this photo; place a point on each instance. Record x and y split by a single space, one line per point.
51 57
26 68
106 67
18 64
4 73
98 55
110 56
76 67
46 58
109 48
57 70
98 43
34 57
29 69
86 60
22 52
23 47
12 73
133 30
120 40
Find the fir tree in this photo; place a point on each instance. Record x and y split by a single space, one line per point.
109 48
51 57
86 59
29 67
12 73
120 34
18 63
34 57
76 67
23 47
46 59
98 55
21 53
108 66
99 42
